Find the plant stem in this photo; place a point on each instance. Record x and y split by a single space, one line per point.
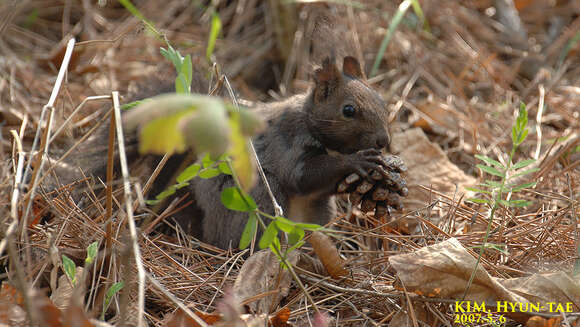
494 207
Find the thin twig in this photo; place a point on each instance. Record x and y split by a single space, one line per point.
10 235
129 209
539 121
574 223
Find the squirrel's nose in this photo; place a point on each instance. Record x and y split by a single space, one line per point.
383 142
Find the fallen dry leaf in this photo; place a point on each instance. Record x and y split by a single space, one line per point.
443 270
328 255
261 274
281 318
181 319
428 166
61 296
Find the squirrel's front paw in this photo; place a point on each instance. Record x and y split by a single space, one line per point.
365 161
378 187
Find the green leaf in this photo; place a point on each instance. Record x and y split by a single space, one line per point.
504 202
419 12
216 26
209 173
114 289
514 135
491 184
519 203
523 186
498 247
224 168
477 190
525 172
477 200
167 192
92 252
242 163
69 267
172 55
295 235
390 32
186 73
249 231
311 227
188 173
207 161
275 246
208 129
522 136
181 84
490 161
515 203
268 236
490 170
284 224
172 140
234 199
173 122
295 246
130 105
180 185
523 163
523 116
132 9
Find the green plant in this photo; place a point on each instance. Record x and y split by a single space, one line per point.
217 131
183 67
393 27
216 26
114 289
493 191
69 267
507 173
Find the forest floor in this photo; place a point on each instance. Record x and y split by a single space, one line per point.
454 81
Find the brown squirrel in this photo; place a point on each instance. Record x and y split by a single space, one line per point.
312 142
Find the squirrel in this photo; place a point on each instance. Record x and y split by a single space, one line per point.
312 142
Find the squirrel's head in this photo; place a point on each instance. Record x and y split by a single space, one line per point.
346 115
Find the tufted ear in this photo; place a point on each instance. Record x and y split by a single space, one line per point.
351 67
327 78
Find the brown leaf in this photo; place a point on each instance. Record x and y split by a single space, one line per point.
181 319
48 313
429 166
75 316
261 281
328 254
444 269
281 318
11 313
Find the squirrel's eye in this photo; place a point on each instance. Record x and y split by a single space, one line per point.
348 111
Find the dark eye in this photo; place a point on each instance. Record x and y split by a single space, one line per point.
348 111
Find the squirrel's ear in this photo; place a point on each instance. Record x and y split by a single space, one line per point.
351 67
327 78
